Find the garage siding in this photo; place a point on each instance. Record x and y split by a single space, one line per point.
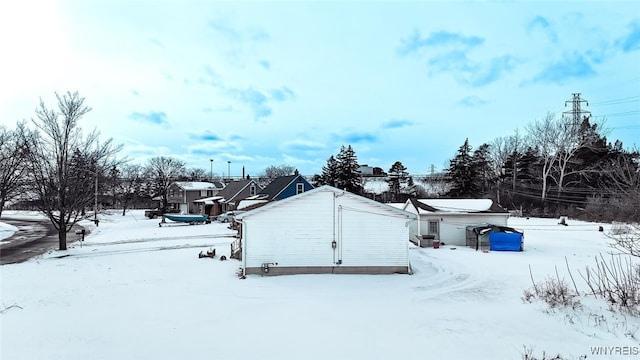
300 233
372 236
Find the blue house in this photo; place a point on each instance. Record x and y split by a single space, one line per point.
284 186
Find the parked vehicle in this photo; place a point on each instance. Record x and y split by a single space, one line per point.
228 216
154 213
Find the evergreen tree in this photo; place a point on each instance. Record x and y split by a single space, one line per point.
460 174
329 173
348 175
398 177
482 168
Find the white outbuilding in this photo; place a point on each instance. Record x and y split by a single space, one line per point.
324 230
447 220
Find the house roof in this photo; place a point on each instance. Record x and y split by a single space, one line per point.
249 203
456 206
277 185
208 200
196 185
324 188
218 184
232 189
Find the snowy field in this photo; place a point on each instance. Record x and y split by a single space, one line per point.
138 291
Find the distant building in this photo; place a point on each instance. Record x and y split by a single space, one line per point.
366 170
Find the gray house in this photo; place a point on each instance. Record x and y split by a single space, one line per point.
233 192
182 194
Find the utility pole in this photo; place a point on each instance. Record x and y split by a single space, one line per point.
576 112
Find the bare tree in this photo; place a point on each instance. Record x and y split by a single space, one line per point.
196 174
130 185
499 153
571 139
163 171
544 135
622 184
272 172
502 148
13 153
63 163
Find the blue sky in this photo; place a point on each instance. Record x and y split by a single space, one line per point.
268 83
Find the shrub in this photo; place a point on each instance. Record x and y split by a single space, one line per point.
626 238
553 291
527 354
617 281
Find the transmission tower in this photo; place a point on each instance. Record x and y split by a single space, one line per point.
576 113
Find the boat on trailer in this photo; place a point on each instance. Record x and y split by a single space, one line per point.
189 219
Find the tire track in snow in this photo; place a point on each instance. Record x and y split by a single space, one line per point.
448 277
170 238
97 252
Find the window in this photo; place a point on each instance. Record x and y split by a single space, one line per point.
433 227
209 193
252 190
171 192
299 188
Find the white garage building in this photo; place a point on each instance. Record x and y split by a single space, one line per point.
324 230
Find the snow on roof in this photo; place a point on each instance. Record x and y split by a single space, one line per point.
195 185
396 205
245 203
208 200
458 205
304 195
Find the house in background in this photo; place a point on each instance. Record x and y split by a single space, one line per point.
235 191
446 220
181 194
284 186
324 230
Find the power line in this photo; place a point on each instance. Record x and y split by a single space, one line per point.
618 101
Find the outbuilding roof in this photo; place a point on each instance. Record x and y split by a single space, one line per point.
456 206
325 188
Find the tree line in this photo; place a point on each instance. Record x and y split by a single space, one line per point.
559 166
556 166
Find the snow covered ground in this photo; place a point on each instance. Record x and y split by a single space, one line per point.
138 291
6 231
